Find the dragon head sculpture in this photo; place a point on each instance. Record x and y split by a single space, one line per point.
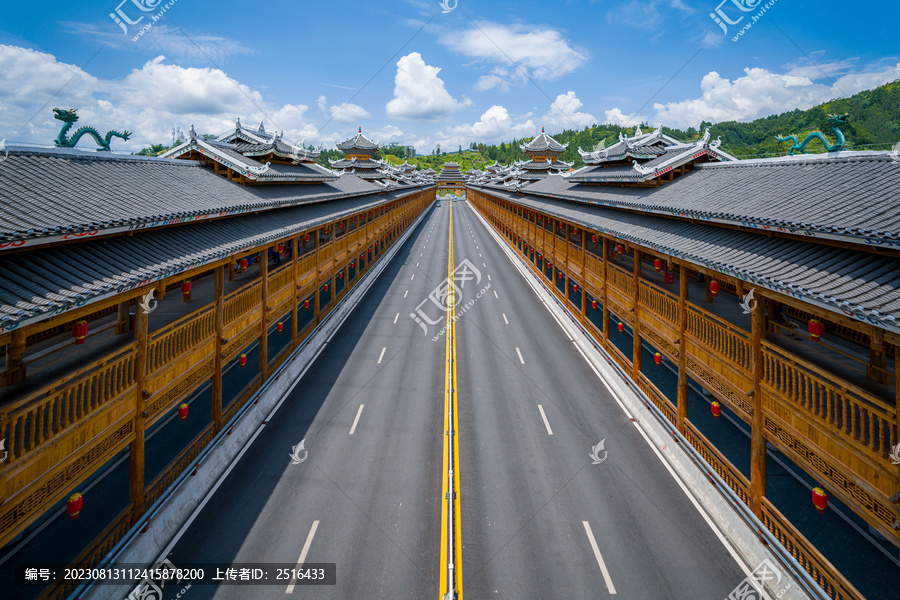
68 116
838 120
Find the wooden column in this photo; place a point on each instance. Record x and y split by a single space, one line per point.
316 299
136 456
636 348
219 358
583 276
264 319
877 356
295 276
605 293
757 424
15 367
771 321
682 401
122 318
709 295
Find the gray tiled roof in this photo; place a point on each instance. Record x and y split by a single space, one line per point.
544 142
48 193
852 196
842 280
49 279
358 142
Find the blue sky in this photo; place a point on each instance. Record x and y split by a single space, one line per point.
407 72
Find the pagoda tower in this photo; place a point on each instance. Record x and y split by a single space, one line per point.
359 152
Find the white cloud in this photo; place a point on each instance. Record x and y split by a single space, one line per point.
343 113
160 39
617 117
564 114
149 101
419 94
516 51
760 93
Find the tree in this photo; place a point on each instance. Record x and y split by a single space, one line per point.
154 150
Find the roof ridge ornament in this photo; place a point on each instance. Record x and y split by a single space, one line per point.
706 135
192 133
69 118
834 121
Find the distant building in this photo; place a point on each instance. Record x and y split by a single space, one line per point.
359 152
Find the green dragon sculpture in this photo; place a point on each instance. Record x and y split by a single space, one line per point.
69 117
834 121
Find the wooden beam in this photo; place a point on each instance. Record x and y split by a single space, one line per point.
122 318
757 423
295 276
682 397
15 367
136 456
216 413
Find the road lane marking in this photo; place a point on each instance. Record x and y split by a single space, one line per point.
479 255
413 277
521 360
505 320
395 318
489 278
417 265
495 295
603 569
356 420
484 265
546 422
404 295
302 559
382 354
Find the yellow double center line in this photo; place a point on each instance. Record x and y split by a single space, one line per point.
451 538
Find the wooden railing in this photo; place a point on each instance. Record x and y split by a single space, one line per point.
178 337
727 471
868 421
822 571
659 302
44 414
242 301
726 339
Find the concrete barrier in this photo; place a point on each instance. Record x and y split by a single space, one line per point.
188 499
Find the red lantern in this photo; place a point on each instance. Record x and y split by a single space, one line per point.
326 229
594 238
540 257
657 358
620 249
816 329
657 264
621 326
575 288
819 499
714 288
74 505
670 277
280 248
326 287
183 411
80 331
594 304
279 327
341 275
306 304
242 360
716 409
186 291
352 265
306 239
243 264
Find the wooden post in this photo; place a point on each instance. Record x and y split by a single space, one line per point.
709 295
682 400
316 299
771 320
877 356
583 276
136 456
605 293
216 387
295 275
264 318
15 367
122 318
757 423
636 348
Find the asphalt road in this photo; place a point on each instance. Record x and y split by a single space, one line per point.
538 518
375 493
527 493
